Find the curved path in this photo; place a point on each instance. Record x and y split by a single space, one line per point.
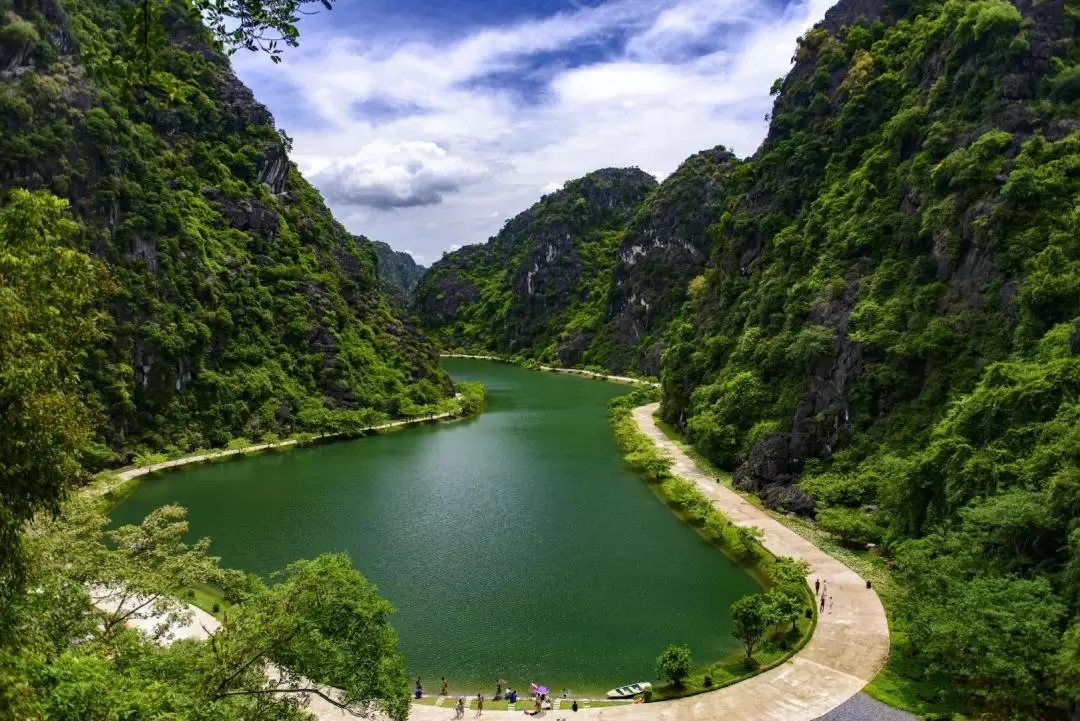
122 476
848 648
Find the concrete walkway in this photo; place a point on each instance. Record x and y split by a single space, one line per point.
102 489
848 648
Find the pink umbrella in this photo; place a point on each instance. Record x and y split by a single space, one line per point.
542 690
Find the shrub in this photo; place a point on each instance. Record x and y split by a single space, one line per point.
673 664
853 526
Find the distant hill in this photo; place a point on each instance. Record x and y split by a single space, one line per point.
398 273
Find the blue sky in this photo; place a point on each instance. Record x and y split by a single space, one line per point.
428 123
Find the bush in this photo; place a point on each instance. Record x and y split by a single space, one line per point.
708 682
853 526
149 459
673 664
237 444
216 608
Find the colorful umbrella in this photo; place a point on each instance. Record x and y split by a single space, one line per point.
541 689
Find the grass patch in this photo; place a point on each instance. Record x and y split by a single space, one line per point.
208 598
733 669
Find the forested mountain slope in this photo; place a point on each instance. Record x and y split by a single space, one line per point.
889 333
617 290
398 273
545 274
237 304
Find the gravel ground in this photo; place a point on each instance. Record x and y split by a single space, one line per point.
861 707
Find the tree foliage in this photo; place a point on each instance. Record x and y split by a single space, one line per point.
320 629
238 306
674 664
48 321
752 617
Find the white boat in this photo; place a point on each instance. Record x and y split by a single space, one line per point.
630 690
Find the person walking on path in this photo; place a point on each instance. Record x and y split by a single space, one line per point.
479 704
817 586
822 609
830 604
444 685
459 709
824 588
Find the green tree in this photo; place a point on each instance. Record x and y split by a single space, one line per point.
990 639
322 621
674 664
47 324
752 616
787 608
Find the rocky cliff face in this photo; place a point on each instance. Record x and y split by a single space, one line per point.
398 273
877 260
666 246
240 305
536 282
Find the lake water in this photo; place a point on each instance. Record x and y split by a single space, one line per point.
517 544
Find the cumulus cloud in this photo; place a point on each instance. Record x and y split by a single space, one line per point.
672 77
388 175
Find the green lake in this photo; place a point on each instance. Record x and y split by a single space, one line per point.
515 544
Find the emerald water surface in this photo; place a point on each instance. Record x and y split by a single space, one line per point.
516 544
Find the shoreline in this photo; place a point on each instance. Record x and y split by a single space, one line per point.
843 653
552 369
123 479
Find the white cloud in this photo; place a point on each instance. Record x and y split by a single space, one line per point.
395 175
470 153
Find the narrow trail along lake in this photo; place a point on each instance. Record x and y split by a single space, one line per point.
517 544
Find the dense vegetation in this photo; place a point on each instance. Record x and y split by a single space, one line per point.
571 282
883 328
888 336
543 280
168 280
237 305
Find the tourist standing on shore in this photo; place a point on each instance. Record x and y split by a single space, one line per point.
444 686
817 586
479 704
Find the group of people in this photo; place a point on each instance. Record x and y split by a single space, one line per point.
821 589
541 700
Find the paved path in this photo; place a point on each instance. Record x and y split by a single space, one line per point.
861 707
848 648
201 458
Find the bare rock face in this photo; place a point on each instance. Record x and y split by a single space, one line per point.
513 293
665 247
273 167
248 215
